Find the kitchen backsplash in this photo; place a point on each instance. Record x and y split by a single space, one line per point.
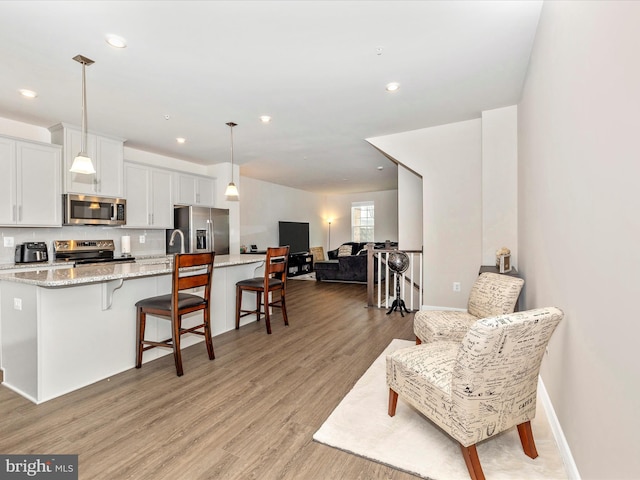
154 240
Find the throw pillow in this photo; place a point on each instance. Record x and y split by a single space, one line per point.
344 250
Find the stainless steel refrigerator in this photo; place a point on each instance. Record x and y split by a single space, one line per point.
204 229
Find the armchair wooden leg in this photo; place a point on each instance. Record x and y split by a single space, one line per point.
470 455
418 341
393 402
526 438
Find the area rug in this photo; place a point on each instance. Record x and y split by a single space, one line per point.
409 442
306 276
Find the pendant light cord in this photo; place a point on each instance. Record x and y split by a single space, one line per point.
83 140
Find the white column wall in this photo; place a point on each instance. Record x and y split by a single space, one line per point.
449 158
409 209
499 183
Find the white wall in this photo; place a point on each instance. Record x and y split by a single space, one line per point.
264 204
410 216
449 159
499 183
338 208
579 223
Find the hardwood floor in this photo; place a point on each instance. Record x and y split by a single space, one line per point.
248 414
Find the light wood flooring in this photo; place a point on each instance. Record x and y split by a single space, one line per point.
248 414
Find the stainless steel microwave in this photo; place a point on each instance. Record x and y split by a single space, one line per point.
88 210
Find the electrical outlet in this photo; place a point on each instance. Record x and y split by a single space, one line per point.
17 304
8 242
456 286
142 238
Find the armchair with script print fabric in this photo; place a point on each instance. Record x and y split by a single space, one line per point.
492 294
480 386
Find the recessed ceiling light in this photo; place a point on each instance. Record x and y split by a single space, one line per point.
392 87
116 41
380 167
265 118
28 93
180 140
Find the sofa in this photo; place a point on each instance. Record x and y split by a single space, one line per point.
348 263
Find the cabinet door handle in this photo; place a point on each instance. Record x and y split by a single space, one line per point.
13 214
20 213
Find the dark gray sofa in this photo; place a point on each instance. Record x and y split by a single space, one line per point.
349 268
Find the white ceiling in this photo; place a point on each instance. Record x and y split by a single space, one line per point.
312 65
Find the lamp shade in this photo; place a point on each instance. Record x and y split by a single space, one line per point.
232 190
82 164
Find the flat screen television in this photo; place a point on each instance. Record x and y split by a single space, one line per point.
294 234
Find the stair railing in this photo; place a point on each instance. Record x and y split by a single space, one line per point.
379 294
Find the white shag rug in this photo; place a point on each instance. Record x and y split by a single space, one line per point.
305 276
409 442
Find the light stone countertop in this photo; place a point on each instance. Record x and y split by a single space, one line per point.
64 277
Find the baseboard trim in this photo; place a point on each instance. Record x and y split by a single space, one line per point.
558 434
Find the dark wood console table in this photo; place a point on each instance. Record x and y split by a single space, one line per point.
494 269
300 264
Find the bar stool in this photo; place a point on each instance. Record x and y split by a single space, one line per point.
190 270
275 279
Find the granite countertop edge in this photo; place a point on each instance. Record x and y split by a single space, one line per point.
54 275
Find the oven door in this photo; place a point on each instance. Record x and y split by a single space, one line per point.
88 210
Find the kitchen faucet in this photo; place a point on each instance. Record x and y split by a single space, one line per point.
173 237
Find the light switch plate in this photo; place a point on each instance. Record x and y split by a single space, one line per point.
8 242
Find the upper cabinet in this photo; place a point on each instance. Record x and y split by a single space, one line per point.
195 190
106 153
149 201
30 186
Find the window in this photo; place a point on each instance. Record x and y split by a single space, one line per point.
362 221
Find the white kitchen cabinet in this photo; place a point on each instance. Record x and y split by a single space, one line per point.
30 183
196 190
149 197
106 153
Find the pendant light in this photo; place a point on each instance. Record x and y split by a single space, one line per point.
82 163
232 190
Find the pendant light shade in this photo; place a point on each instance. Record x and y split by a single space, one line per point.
232 190
82 163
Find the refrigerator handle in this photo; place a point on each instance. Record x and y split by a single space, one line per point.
211 239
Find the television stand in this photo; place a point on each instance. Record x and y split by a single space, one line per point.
300 264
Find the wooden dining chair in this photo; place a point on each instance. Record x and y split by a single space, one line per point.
274 280
190 270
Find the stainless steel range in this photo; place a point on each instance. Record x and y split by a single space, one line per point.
84 252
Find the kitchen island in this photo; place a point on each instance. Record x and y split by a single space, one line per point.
65 328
